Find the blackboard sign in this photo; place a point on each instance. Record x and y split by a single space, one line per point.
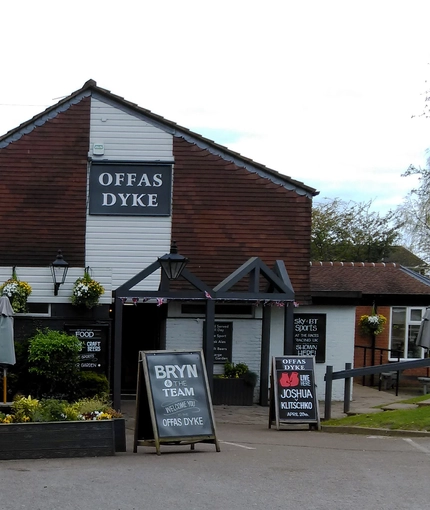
94 339
223 341
309 335
293 397
173 404
131 189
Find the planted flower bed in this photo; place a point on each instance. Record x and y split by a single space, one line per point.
32 432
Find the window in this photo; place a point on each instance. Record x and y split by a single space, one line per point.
405 324
37 309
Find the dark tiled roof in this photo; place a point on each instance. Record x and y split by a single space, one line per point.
367 278
90 87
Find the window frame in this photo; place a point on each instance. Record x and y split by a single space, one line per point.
408 323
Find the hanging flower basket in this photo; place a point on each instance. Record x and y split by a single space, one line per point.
86 291
372 324
17 292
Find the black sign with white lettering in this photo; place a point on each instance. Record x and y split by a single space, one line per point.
177 397
130 189
309 335
94 353
294 398
223 340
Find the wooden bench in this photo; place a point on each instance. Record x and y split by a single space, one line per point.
425 381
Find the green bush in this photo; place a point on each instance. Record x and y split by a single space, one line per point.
240 371
54 358
92 384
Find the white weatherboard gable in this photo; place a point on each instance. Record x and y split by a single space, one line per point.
42 285
127 244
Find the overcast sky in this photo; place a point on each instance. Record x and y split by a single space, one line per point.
323 91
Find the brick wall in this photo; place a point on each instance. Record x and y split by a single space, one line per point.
223 215
43 191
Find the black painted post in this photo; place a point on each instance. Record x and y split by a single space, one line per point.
289 329
208 343
347 390
117 354
328 392
265 356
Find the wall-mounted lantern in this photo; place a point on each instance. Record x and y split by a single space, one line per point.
59 271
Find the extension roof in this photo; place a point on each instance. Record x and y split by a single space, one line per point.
360 280
91 88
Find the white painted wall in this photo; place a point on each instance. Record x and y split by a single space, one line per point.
127 244
187 333
40 280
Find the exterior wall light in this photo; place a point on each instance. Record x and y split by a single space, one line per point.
173 263
59 270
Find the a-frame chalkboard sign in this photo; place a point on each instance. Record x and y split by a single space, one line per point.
173 401
293 396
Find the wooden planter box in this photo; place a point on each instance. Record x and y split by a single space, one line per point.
232 392
58 439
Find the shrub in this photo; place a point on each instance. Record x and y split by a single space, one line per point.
54 357
240 371
24 408
92 384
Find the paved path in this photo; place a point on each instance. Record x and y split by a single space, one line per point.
363 400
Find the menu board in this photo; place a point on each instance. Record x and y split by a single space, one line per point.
293 391
310 335
223 341
94 352
173 391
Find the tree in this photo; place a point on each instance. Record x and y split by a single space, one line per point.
351 232
414 214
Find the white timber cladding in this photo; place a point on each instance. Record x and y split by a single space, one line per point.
127 244
42 285
246 348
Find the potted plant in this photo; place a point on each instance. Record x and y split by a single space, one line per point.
86 291
236 386
17 291
51 428
372 324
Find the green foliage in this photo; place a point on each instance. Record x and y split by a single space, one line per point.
239 371
232 371
50 410
86 291
17 292
403 419
350 231
92 384
24 408
28 409
54 357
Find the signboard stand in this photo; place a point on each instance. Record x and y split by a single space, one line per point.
293 396
173 401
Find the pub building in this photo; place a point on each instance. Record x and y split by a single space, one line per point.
119 191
